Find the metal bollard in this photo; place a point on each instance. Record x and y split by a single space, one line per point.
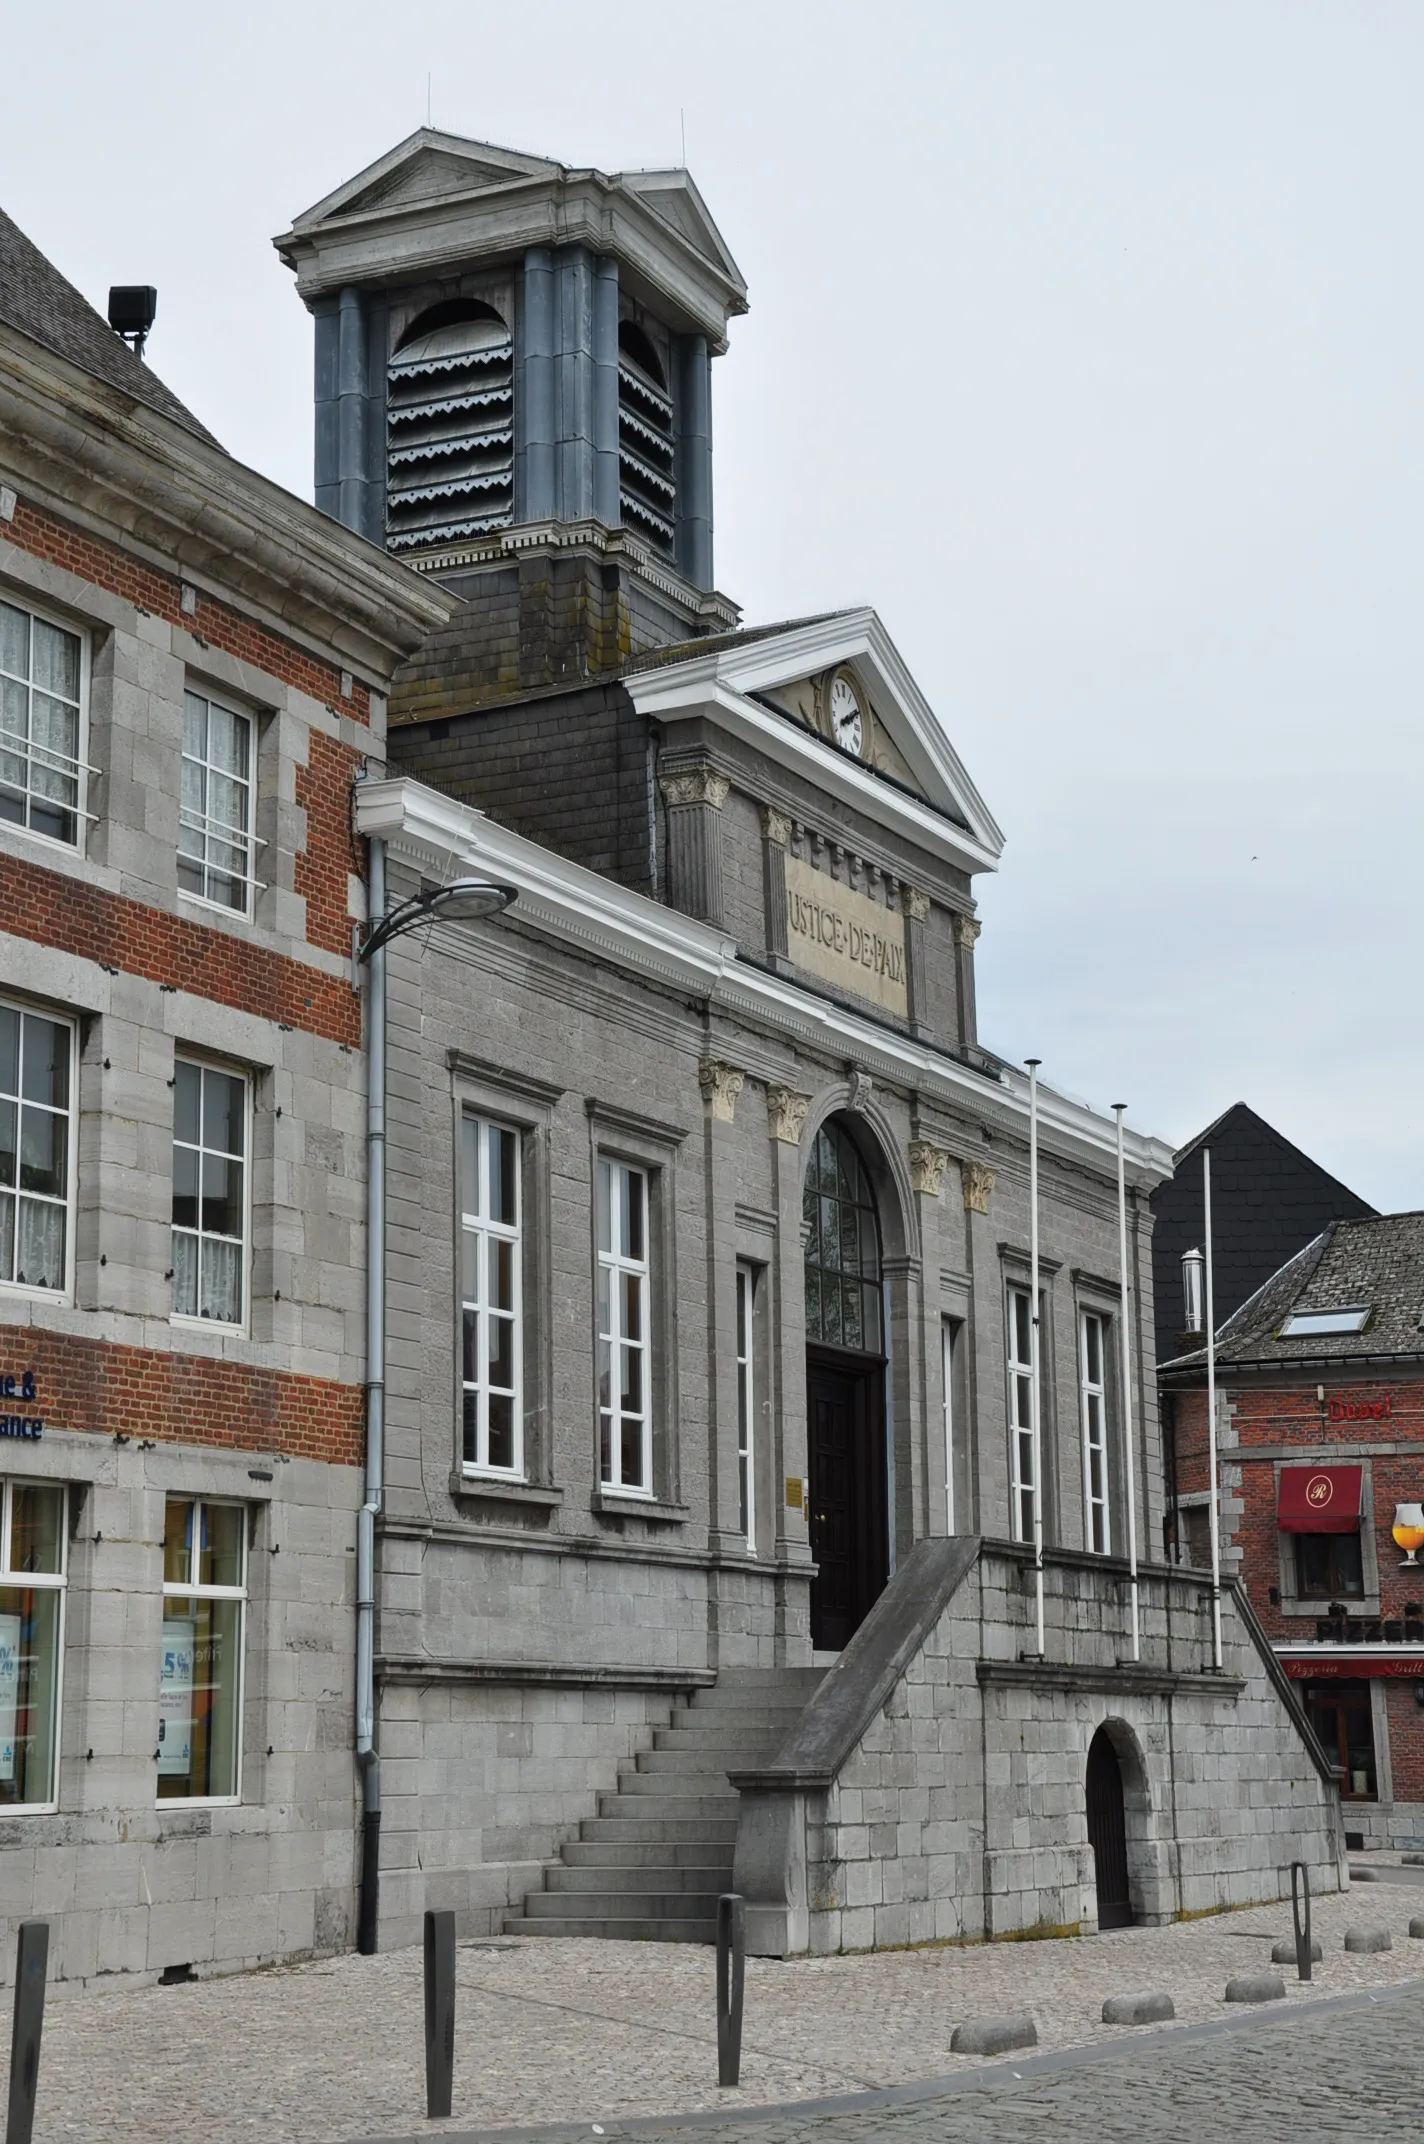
439 2012
731 1979
1300 1880
31 1959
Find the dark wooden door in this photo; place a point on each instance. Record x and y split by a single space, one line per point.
1107 1832
846 1455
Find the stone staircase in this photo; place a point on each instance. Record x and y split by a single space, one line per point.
650 1866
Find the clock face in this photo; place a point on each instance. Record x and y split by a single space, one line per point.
846 725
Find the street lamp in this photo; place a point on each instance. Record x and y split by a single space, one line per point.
463 900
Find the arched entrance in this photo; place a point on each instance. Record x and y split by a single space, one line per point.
845 1387
1107 1832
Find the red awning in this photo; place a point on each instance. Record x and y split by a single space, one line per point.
1319 1500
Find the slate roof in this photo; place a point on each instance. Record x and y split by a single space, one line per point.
1268 1201
684 651
1378 1262
36 299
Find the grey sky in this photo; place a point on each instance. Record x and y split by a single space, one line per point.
1084 343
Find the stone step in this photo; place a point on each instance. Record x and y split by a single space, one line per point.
649 1798
753 1740
618 1882
593 1905
627 1831
693 1760
656 1851
610 1929
787 1689
677 1779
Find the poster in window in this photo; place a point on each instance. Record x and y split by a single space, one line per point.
175 1696
9 1694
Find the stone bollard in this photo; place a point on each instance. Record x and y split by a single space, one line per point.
31 1960
994 2035
1358 1875
1255 1988
1138 2009
1416 1928
439 2012
1284 1952
1368 1939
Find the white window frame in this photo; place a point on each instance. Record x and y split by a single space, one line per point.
23 1289
612 1336
174 1590
746 1401
48 1581
948 1333
482 1228
215 829
187 1319
1093 1409
1020 1414
83 817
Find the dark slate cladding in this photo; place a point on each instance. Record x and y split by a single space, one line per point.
1376 1263
682 651
36 299
1268 1201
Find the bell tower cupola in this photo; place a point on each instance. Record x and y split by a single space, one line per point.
511 352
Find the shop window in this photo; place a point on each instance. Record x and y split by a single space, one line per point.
491 1339
210 1215
215 841
32 1577
1093 1404
200 1665
1341 1715
625 1423
42 767
36 1150
1329 1567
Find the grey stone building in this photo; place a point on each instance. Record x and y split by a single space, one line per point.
711 1469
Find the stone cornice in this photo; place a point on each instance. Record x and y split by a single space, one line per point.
430 832
137 480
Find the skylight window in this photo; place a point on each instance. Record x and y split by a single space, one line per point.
1309 1324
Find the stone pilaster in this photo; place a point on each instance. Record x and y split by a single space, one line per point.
966 933
693 797
917 915
786 1114
978 1180
775 836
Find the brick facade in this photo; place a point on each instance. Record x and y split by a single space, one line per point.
331 854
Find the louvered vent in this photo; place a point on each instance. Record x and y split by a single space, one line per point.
646 491
450 429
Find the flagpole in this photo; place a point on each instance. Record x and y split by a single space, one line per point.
1126 1359
1035 1410
1211 1419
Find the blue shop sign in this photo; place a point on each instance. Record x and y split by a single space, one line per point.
20 1385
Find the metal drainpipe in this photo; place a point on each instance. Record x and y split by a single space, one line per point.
367 1761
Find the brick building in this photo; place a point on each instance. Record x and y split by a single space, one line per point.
711 1460
192 670
1320 1401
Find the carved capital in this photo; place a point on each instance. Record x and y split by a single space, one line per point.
786 1114
775 825
966 930
695 785
720 1084
917 904
862 1087
977 1179
927 1167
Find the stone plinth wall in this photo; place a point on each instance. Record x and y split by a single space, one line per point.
935 1787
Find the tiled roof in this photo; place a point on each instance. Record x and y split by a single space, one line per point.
1376 1263
1268 1200
36 299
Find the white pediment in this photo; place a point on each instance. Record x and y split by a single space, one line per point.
424 167
769 687
675 201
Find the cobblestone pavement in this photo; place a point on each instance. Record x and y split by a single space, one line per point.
581 2032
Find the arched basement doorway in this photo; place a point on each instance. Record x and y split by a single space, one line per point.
1107 1832
845 1388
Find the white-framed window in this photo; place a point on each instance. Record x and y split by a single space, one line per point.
491 1321
215 842
949 1334
746 1403
625 1422
210 1193
33 1545
42 740
36 1150
199 1752
1022 1486
1093 1399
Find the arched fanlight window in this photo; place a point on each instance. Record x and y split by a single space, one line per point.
646 489
843 1305
450 428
